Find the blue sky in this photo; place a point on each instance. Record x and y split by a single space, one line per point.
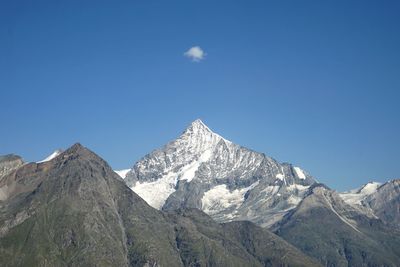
315 83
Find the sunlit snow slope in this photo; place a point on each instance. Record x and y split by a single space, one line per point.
203 170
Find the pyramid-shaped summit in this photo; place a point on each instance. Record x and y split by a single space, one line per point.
196 140
198 127
201 169
198 124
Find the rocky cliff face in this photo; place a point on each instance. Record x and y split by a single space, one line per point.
385 202
8 163
201 169
73 210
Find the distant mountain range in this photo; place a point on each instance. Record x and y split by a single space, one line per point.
71 209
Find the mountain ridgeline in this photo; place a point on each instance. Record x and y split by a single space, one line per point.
200 169
74 210
200 200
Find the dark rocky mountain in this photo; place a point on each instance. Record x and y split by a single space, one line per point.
201 169
325 227
73 210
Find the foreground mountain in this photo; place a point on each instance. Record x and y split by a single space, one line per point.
337 234
73 210
201 169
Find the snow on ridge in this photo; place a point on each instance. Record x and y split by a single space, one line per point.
370 188
198 126
188 172
299 187
51 156
299 173
356 196
122 173
198 123
156 193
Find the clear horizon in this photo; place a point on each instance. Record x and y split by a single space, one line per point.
314 84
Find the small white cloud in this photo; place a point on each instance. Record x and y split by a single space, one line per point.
195 53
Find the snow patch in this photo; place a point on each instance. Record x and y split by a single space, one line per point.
280 176
122 173
369 188
220 198
199 124
356 196
156 193
299 187
51 156
188 172
299 173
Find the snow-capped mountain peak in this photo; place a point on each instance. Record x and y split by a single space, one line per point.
197 167
198 126
198 138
